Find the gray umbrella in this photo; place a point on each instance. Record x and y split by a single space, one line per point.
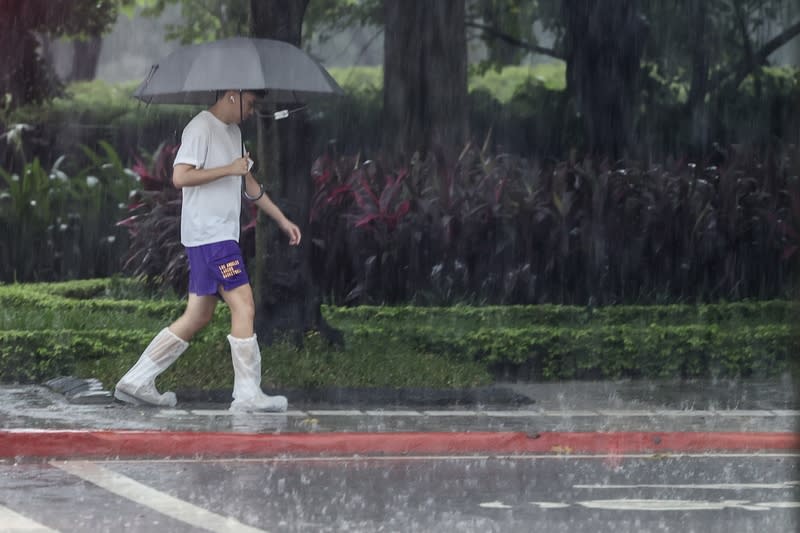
196 74
199 73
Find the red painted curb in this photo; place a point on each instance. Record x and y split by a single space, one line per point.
21 444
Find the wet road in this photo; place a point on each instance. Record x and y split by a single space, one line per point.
708 492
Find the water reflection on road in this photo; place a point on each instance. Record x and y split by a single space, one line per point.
707 492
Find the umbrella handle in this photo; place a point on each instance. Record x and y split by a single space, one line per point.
244 186
244 178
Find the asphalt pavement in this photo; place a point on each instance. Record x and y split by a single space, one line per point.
628 456
592 417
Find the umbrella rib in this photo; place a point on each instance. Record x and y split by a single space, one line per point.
241 119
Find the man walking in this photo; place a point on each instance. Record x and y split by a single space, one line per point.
209 168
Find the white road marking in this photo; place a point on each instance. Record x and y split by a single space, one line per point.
685 412
212 412
43 431
389 412
608 413
569 414
626 504
13 521
450 413
625 412
550 505
164 413
711 486
225 412
159 501
512 414
747 413
343 412
780 505
477 457
495 505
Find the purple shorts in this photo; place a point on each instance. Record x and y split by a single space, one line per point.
215 265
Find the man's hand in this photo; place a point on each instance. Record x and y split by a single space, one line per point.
241 165
291 231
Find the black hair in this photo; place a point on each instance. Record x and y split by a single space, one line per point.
260 93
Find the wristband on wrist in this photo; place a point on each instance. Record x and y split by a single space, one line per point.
253 198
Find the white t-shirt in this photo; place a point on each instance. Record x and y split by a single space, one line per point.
210 212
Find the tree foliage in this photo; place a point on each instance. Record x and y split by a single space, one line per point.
24 75
204 20
60 17
508 29
326 18
619 54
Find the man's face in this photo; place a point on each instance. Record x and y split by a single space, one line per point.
248 105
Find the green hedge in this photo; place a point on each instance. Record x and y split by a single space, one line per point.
761 312
97 328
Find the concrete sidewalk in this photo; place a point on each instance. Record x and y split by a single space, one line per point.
627 417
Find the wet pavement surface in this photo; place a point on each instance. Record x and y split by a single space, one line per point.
562 491
571 406
708 492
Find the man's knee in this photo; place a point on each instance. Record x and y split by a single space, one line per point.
198 318
244 309
240 300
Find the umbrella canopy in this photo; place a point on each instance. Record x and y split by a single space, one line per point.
196 74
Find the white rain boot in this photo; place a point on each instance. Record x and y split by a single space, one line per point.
138 385
247 393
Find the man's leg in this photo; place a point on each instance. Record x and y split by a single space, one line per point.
243 309
246 355
137 386
198 313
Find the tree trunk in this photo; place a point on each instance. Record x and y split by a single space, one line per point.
604 43
24 76
287 298
425 76
86 54
696 102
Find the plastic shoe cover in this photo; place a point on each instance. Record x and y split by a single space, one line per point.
247 393
144 395
263 403
137 386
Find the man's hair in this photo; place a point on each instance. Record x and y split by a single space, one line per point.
260 93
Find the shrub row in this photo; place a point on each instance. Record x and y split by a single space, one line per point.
752 312
610 351
535 353
394 347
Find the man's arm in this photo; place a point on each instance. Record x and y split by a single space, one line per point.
265 204
184 175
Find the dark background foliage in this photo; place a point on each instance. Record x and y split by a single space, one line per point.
501 229
686 193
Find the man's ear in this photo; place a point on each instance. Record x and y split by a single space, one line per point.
229 96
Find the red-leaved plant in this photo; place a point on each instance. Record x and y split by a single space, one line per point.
156 253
